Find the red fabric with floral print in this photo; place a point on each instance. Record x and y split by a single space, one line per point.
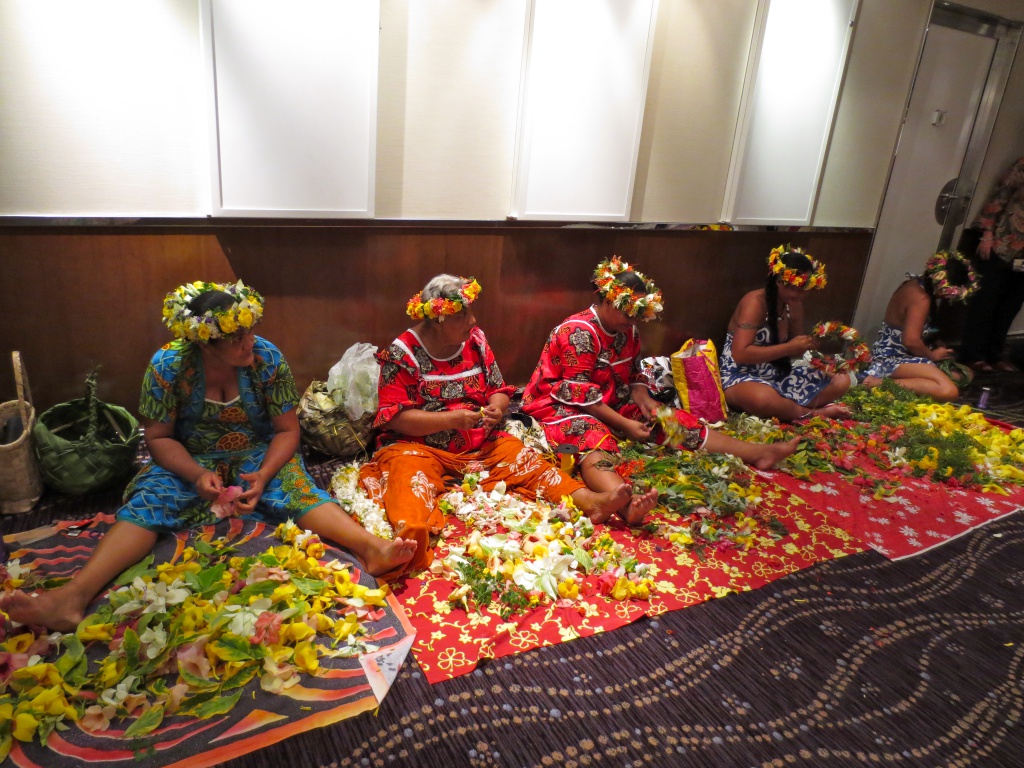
583 364
411 378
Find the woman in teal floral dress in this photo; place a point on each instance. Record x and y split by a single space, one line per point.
218 406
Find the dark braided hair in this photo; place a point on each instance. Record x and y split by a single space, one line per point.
800 263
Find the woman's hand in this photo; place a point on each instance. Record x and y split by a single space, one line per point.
209 485
985 246
250 497
940 353
491 416
796 346
637 431
463 419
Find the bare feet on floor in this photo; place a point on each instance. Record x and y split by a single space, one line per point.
639 505
49 608
832 411
600 506
773 453
390 555
871 382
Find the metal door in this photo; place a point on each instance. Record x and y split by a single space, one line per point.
946 128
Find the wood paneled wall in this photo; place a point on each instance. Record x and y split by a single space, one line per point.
76 297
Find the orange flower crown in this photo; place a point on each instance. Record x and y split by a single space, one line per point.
815 278
645 307
418 309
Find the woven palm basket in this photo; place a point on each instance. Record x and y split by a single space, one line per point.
327 428
86 445
21 484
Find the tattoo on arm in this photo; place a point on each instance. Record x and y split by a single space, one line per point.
747 326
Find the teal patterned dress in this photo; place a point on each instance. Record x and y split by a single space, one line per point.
230 439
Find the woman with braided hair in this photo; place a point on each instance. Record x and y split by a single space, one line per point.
588 391
766 334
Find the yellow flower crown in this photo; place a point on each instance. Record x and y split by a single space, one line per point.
215 323
418 309
645 307
815 278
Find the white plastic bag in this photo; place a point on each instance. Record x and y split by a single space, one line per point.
352 381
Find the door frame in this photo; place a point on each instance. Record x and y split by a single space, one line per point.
1007 36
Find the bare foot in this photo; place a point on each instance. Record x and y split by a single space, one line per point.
639 506
773 453
390 555
871 382
833 411
49 608
600 506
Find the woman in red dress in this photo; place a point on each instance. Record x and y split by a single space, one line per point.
442 404
587 390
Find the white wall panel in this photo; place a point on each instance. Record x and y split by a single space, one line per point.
101 109
296 105
585 83
787 117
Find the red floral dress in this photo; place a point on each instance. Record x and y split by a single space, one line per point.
584 364
411 378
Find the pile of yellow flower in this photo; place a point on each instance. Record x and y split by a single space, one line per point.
184 638
994 452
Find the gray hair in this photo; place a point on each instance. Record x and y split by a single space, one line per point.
443 287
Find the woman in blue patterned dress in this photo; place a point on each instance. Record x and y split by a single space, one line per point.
902 351
218 406
765 334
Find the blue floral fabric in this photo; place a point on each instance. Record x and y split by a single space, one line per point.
801 385
888 353
230 439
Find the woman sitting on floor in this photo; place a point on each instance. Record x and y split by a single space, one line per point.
442 404
218 406
587 388
765 333
901 352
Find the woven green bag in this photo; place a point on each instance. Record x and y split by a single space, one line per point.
86 445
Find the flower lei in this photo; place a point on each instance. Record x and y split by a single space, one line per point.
418 309
855 355
215 323
806 280
351 498
935 269
645 307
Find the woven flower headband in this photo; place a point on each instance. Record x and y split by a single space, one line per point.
814 278
644 306
243 314
936 269
418 309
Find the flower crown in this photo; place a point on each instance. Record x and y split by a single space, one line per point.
645 307
854 356
243 314
418 309
935 269
815 278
